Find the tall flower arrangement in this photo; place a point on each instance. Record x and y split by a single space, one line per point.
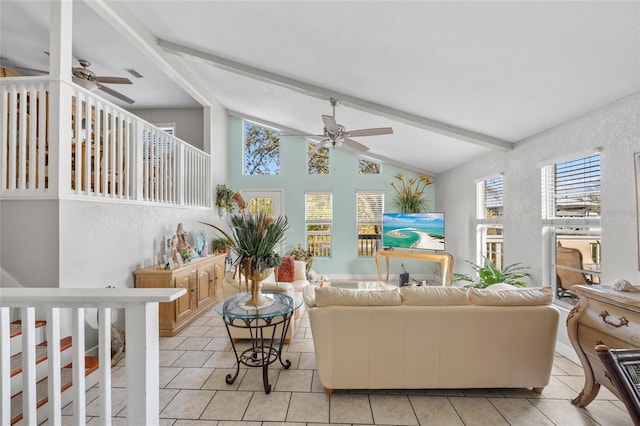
409 196
254 238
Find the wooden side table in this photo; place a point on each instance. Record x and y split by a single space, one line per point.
445 260
603 315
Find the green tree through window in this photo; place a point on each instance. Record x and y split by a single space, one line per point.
318 163
261 150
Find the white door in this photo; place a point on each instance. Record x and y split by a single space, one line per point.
269 201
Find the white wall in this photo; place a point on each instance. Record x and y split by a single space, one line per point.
615 128
189 122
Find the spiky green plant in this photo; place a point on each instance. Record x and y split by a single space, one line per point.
488 274
254 238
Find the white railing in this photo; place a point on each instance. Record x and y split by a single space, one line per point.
142 349
114 154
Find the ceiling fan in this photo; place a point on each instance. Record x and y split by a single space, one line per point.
336 134
86 78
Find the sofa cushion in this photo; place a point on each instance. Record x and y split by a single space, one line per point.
515 297
329 296
300 267
286 272
434 296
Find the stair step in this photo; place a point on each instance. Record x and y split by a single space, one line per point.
16 327
15 330
41 355
91 365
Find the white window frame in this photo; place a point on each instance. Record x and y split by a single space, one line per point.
244 142
484 223
376 220
553 225
328 221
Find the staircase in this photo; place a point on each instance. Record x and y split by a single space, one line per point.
91 368
141 310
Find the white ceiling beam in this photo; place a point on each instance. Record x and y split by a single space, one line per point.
350 101
118 16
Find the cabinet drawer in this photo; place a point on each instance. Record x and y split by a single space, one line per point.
614 320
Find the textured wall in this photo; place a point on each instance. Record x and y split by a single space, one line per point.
615 128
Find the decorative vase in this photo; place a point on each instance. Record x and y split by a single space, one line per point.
257 299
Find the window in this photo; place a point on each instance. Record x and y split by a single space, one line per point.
318 162
261 150
318 219
571 218
261 205
169 128
368 167
369 207
490 201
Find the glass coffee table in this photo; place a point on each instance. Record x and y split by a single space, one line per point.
266 346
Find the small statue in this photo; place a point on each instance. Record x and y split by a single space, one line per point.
182 238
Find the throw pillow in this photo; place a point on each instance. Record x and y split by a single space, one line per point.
301 270
287 270
329 296
434 296
524 297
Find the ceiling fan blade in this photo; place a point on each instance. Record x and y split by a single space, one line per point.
330 124
32 70
299 135
317 147
350 143
369 132
112 80
115 94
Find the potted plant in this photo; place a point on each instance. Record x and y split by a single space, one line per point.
254 237
488 274
223 199
409 195
221 245
299 253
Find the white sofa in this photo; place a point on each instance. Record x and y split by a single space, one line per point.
432 337
233 285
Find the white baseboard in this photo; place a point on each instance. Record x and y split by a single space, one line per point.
567 352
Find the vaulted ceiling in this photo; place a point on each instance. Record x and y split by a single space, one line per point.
455 80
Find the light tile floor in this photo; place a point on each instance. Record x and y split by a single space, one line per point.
193 366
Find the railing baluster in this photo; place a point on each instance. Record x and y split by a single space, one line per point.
78 370
142 364
5 367
104 357
22 149
43 168
53 366
31 171
13 132
29 398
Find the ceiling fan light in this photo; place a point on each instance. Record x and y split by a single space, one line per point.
89 85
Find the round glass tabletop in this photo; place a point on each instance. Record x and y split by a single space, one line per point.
235 306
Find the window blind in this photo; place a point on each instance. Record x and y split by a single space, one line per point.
318 207
369 207
577 187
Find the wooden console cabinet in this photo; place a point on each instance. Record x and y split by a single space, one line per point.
603 315
202 278
445 260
